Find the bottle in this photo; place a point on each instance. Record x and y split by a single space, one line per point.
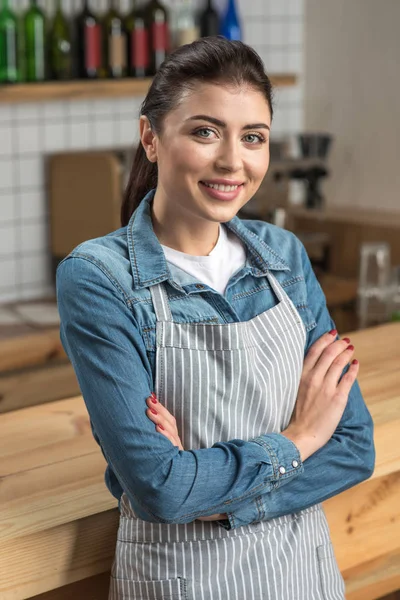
35 43
186 30
114 43
137 43
9 71
209 21
60 55
89 44
230 24
156 18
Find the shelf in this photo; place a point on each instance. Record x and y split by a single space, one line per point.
84 90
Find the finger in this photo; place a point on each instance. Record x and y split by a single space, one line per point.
164 425
328 356
317 348
171 438
346 383
336 369
166 415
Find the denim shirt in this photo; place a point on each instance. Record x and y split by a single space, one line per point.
108 330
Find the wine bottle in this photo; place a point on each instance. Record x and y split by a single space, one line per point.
35 43
114 43
209 21
9 71
137 43
157 21
230 24
186 29
60 55
89 44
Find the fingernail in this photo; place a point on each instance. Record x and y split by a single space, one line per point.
354 362
333 332
153 399
351 347
346 340
154 411
160 426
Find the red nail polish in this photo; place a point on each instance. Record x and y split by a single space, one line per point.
351 347
354 362
333 332
346 340
160 426
154 411
154 399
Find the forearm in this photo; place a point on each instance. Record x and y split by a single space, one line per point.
346 460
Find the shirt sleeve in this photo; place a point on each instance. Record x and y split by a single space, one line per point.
102 339
346 460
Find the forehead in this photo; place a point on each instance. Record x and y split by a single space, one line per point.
230 103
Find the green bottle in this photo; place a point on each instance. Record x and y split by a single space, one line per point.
60 55
114 43
157 22
35 43
9 71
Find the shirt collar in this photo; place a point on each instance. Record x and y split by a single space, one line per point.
147 257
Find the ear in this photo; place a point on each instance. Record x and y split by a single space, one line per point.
148 139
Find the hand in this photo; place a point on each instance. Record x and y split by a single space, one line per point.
321 400
166 424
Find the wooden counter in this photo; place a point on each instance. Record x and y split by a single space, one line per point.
58 521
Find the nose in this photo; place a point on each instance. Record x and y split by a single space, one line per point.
229 158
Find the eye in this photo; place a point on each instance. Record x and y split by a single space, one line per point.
204 132
254 138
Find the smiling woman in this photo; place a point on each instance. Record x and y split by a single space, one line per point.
216 384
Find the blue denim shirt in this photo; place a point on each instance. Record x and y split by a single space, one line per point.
108 332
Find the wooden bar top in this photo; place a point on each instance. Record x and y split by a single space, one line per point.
58 521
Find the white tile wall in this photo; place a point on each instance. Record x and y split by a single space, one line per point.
29 131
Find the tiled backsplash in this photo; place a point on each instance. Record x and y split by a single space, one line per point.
30 131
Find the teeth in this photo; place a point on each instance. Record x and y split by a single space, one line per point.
222 188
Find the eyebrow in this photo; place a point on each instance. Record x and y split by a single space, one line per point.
223 124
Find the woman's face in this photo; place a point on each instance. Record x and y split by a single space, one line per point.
213 152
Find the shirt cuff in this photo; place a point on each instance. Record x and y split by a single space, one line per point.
287 464
284 455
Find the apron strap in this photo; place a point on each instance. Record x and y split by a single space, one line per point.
160 302
276 286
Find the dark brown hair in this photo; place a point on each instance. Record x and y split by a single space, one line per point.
206 60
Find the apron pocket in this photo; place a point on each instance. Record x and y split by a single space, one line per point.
331 580
166 589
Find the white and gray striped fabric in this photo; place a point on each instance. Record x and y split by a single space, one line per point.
222 382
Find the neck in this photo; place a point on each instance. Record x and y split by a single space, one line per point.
182 231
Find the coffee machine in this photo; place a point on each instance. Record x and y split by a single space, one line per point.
314 150
309 166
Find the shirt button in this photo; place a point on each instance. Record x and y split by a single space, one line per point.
295 464
282 470
199 286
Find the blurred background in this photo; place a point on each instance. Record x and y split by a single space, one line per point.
73 75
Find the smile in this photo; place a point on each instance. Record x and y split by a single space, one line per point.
220 187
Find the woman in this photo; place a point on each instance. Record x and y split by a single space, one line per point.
207 358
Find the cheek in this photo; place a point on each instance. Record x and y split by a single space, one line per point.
258 166
190 158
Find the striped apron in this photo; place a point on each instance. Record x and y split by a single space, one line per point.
221 382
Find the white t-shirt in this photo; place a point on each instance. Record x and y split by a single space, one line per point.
225 259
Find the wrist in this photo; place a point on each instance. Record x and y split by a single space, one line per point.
306 445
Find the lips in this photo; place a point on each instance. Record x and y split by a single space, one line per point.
222 191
